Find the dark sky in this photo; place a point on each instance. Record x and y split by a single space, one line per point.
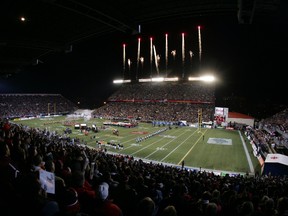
249 60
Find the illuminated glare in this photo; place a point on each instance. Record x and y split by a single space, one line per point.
121 81
145 80
208 78
171 79
202 78
158 79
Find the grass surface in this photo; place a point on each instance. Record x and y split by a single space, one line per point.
217 150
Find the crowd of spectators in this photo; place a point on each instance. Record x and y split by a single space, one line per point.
172 102
150 111
270 134
185 91
91 181
32 105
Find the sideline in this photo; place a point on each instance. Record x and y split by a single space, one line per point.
252 171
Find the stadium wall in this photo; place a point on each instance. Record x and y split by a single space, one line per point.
240 118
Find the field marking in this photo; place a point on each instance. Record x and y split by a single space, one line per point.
135 144
101 136
133 139
191 148
219 141
181 144
168 144
168 136
153 144
246 153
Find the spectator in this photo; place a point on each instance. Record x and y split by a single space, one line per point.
146 207
169 211
103 206
34 198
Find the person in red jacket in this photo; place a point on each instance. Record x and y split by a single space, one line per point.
103 205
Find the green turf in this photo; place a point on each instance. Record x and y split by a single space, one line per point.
227 154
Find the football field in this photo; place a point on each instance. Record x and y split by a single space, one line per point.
219 150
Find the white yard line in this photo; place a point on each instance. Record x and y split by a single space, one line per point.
247 154
179 146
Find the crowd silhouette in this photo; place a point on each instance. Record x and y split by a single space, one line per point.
32 105
160 101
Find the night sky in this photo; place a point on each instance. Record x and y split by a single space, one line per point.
248 60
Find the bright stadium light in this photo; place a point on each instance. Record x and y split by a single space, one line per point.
171 79
207 78
118 81
145 80
121 81
158 79
193 78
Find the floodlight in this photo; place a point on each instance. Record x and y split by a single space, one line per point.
202 78
121 81
158 79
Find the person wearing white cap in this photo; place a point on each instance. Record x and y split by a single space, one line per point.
103 191
104 206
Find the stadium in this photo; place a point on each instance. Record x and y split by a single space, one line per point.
159 145
170 131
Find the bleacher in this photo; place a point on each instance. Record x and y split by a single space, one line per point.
27 155
32 105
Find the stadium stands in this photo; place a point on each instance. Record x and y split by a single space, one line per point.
32 105
25 153
27 156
